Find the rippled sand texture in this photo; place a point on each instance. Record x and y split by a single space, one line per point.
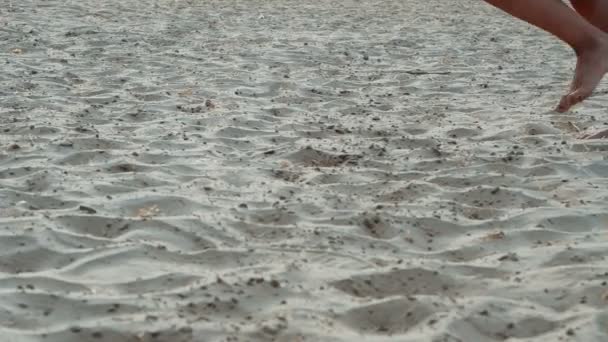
294 171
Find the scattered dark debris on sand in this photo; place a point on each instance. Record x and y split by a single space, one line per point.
290 171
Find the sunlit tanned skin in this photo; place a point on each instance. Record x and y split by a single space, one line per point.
584 30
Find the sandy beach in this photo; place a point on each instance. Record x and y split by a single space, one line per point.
279 170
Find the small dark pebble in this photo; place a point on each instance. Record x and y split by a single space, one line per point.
86 209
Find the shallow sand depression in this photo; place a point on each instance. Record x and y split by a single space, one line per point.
279 170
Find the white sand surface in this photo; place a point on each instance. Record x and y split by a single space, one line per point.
278 170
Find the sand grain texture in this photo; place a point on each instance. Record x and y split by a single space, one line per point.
280 170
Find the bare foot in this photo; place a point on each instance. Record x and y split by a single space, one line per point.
591 65
597 135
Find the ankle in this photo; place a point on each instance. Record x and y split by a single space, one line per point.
592 44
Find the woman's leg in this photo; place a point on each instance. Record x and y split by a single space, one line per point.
589 42
595 11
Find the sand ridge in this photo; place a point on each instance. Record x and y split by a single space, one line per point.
281 170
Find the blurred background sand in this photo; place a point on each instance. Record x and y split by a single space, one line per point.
282 170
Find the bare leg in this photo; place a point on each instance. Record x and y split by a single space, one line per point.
596 12
588 42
